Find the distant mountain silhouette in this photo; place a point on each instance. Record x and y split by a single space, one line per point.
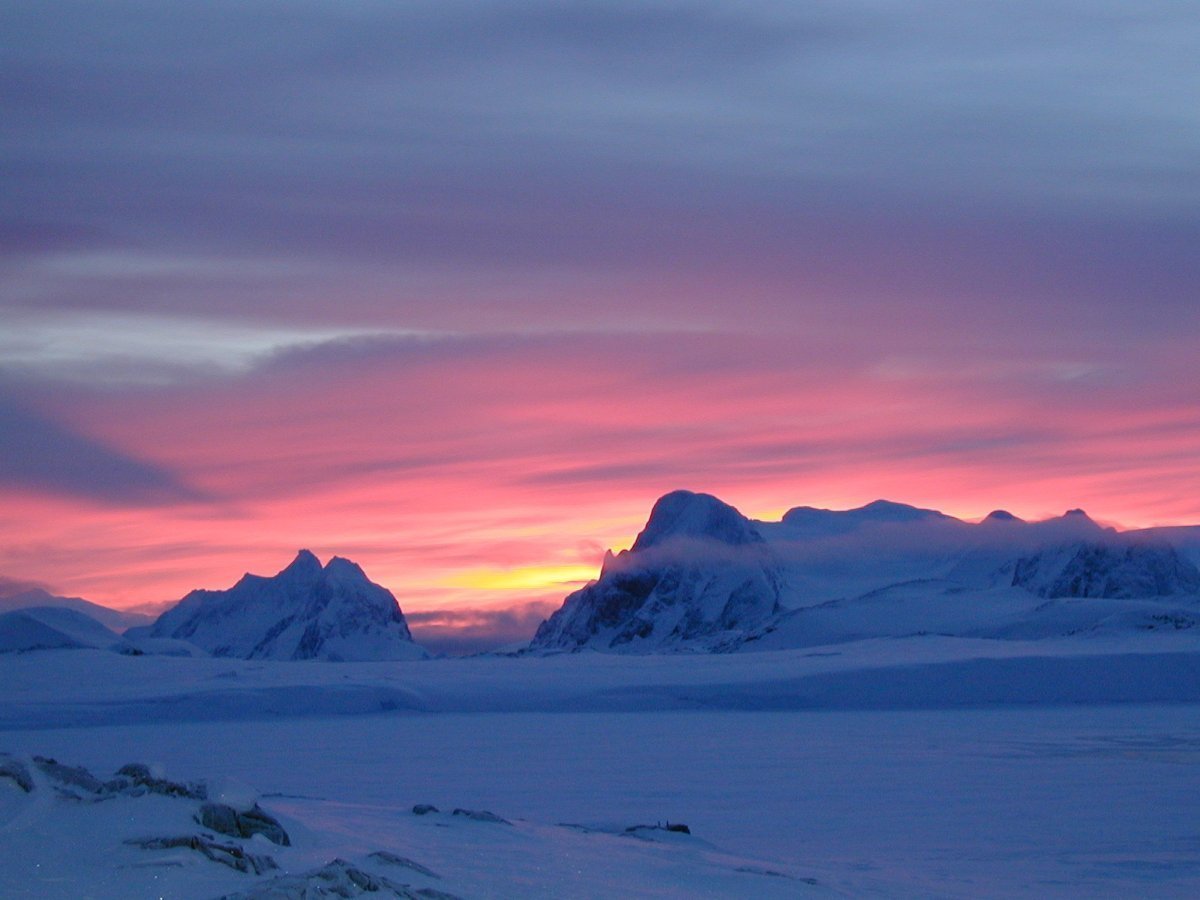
305 611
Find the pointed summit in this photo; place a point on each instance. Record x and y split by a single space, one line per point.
305 565
344 570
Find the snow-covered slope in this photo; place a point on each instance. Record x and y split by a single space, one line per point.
699 575
116 619
54 628
305 612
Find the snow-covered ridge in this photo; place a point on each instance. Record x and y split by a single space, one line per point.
306 611
703 577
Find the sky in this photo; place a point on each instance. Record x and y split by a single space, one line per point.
458 289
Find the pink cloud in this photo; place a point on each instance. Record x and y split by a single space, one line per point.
424 461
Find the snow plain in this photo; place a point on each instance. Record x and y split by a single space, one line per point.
923 766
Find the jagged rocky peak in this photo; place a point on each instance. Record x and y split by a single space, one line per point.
306 611
1117 568
305 565
699 576
683 514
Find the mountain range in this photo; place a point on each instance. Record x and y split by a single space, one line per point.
702 577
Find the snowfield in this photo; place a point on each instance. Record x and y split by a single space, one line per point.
921 766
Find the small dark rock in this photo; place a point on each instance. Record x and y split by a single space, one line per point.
481 815
135 771
424 809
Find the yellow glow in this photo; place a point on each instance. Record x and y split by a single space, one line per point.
525 578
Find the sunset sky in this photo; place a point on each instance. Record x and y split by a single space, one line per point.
458 289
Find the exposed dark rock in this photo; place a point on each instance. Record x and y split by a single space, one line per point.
226 854
15 770
338 878
228 821
69 776
392 859
481 815
424 809
674 827
135 779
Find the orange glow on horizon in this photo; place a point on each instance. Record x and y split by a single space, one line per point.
455 487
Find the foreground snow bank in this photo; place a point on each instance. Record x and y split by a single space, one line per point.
68 833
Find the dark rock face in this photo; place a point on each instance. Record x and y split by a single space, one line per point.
228 821
305 611
226 854
481 815
15 771
1116 570
69 777
135 778
698 575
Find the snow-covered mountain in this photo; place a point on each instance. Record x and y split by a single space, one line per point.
1112 569
306 611
55 628
698 576
31 596
701 576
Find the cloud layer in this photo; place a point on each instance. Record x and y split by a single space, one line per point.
454 287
